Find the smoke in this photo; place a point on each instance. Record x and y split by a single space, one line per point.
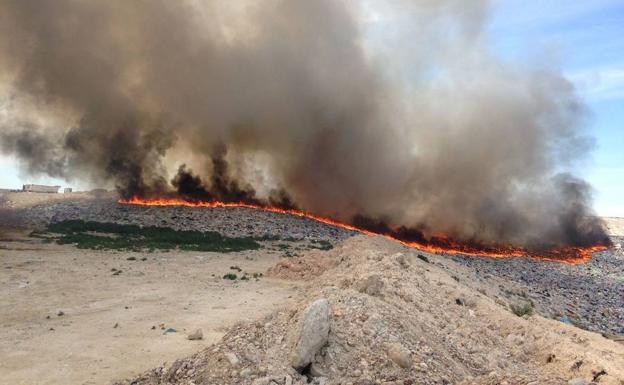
411 121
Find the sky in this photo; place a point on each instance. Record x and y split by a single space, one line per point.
585 37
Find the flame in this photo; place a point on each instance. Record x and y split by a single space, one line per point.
569 255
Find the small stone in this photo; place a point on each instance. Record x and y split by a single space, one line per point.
245 372
460 301
313 333
232 358
317 371
262 381
372 285
578 381
399 355
196 335
60 313
288 380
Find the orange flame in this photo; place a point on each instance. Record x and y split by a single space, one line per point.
570 255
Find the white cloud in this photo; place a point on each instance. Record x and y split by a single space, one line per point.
602 83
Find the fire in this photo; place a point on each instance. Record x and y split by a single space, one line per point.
440 244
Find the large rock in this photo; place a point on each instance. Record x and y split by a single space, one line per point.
313 333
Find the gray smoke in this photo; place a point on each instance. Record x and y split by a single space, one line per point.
416 124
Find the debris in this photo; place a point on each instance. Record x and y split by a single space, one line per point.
598 374
423 258
313 333
577 365
460 301
60 313
116 325
170 330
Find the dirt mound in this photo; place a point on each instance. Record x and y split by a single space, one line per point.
397 318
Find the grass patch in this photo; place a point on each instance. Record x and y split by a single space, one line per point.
230 276
112 236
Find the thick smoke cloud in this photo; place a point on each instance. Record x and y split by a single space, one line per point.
306 103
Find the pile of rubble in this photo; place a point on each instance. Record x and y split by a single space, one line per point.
382 314
588 295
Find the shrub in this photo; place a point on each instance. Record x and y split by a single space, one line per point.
521 309
112 236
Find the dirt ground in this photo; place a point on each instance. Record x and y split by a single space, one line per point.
71 316
112 325
399 317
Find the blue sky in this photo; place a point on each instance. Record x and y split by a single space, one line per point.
586 38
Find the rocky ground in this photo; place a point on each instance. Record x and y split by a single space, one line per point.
380 314
370 311
589 295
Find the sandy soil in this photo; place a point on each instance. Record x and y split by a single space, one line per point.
112 324
27 199
615 226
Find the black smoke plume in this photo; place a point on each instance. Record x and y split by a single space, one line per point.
313 104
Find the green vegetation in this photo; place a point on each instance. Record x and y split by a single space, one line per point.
283 246
112 236
521 309
321 244
230 276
